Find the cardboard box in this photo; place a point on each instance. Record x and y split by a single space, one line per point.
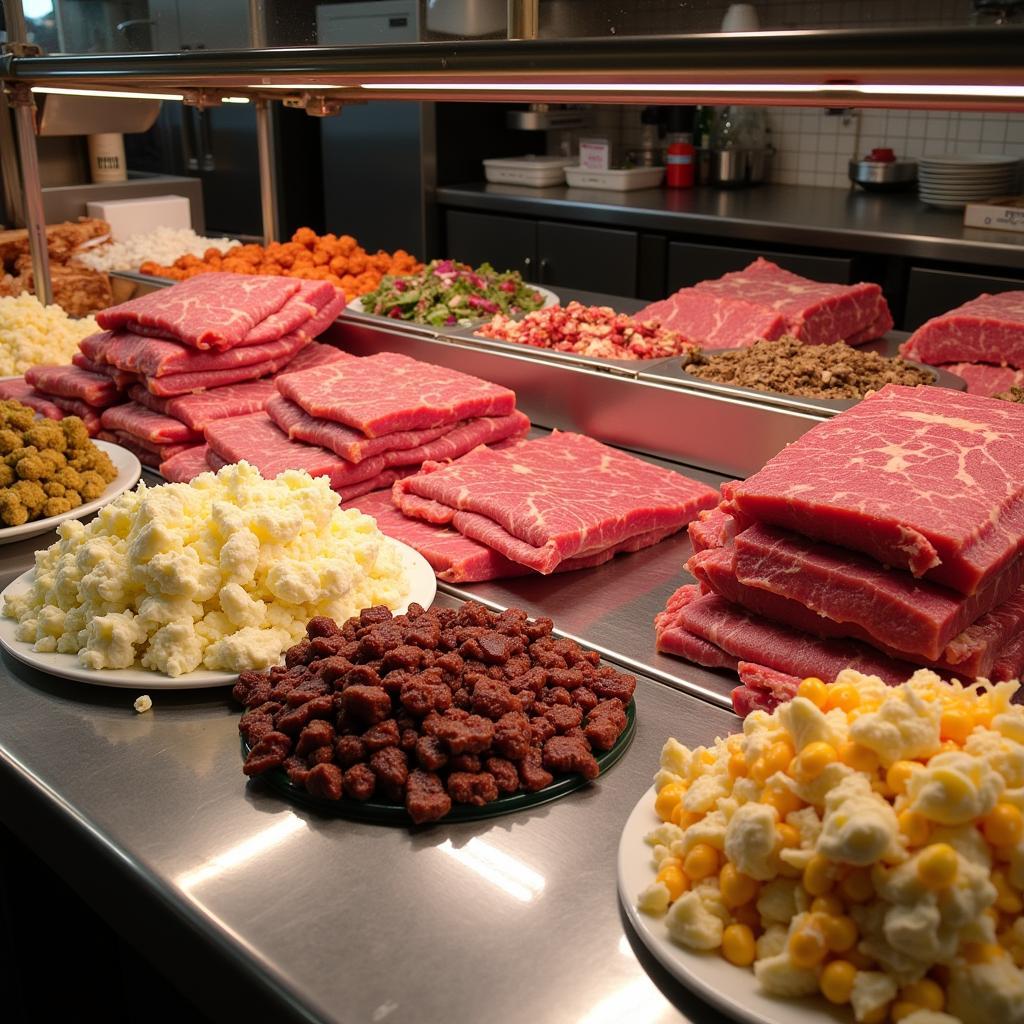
595 154
1004 213
128 217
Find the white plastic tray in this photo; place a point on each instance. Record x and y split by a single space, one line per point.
622 180
535 171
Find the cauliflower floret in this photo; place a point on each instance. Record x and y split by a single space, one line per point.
954 788
903 728
692 924
987 992
779 977
871 991
750 840
859 826
654 899
174 649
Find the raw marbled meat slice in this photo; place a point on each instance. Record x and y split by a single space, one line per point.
122 379
85 412
713 528
157 357
297 314
316 353
382 483
147 425
20 390
197 411
762 688
94 389
983 379
555 498
157 452
816 313
207 311
388 392
925 479
715 321
185 466
988 329
891 606
671 638
257 440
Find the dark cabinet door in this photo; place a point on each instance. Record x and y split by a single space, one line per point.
689 263
596 259
507 243
931 292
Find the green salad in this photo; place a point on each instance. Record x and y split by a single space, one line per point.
445 293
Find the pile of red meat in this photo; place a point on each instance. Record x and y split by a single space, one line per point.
765 301
981 341
553 504
182 356
888 538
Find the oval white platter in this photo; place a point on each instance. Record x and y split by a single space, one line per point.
422 588
733 990
550 299
128 471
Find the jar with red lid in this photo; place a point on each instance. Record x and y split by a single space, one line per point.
679 162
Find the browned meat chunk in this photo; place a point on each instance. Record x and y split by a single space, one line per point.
492 699
349 750
605 724
360 782
564 717
392 769
425 797
505 775
381 735
570 754
467 788
325 781
369 704
471 735
532 773
269 753
420 696
431 753
316 734
512 735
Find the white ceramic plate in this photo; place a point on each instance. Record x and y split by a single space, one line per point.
971 160
733 990
550 299
422 588
128 471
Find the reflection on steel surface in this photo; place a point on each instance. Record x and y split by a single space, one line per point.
243 852
639 1002
508 873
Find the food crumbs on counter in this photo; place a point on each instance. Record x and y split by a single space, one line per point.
1014 394
789 367
589 331
432 707
32 334
864 842
47 467
222 573
143 704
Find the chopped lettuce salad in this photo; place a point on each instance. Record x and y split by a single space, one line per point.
446 293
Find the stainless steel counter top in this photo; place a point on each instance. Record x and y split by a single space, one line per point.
897 224
263 910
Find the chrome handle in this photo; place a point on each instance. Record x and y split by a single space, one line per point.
544 265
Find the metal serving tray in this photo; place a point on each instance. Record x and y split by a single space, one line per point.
671 371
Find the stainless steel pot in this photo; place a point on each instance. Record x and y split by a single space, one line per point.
734 168
882 176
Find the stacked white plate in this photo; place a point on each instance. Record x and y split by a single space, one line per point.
951 182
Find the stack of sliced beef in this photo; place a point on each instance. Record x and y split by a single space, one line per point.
981 341
553 504
765 301
888 538
172 361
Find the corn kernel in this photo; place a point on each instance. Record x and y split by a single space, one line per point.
814 690
738 945
876 1016
842 695
857 886
981 716
937 866
1003 825
827 905
668 799
674 880
684 818
784 800
926 994
760 769
899 773
778 756
840 933
817 877
956 725
701 862
807 947
812 761
902 1008
749 915
836 981
983 952
1008 900
787 836
707 757
737 766
736 887
915 827
858 757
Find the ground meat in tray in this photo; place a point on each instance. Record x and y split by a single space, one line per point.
448 713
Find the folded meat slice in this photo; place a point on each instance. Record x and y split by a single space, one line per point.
186 465
147 425
983 379
258 441
94 389
555 498
891 606
157 357
388 392
381 483
297 314
762 688
971 654
713 528
715 321
85 412
20 390
148 454
748 637
672 638
925 479
207 311
122 379
316 353
197 411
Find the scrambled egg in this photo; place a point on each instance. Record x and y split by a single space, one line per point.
863 842
222 573
32 334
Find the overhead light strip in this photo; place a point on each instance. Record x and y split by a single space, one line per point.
124 95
